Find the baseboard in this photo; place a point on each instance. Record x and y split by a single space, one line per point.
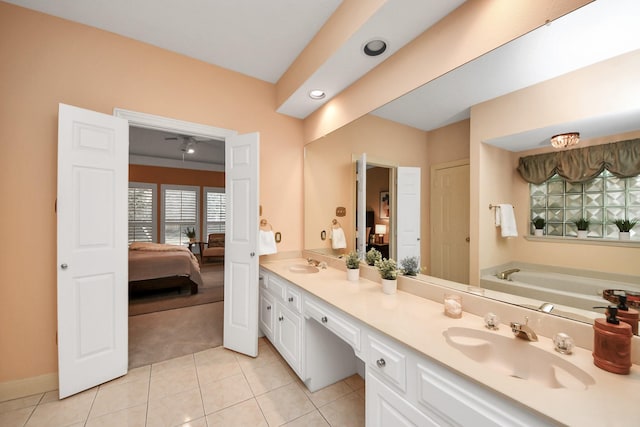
28 386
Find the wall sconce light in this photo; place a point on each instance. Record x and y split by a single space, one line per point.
565 139
381 230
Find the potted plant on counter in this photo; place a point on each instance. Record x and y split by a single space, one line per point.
389 273
625 226
372 256
409 266
583 227
538 224
352 261
191 234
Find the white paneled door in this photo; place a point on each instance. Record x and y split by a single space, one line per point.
408 213
93 150
241 252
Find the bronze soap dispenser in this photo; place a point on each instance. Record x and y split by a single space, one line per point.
612 343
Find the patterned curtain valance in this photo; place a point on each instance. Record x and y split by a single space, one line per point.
583 164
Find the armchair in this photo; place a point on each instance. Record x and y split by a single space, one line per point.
214 247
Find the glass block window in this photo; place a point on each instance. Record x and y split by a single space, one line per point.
601 200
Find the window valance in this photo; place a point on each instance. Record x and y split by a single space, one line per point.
583 164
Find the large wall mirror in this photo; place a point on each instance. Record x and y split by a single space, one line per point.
465 132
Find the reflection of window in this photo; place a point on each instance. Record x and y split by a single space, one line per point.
142 212
601 200
179 211
214 210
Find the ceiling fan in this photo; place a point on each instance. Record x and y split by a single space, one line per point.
188 143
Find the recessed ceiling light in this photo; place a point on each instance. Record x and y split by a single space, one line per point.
375 47
317 94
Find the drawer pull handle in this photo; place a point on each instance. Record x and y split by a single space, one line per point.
268 307
324 319
281 318
290 299
381 363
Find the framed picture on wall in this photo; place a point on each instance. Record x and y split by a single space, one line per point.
384 204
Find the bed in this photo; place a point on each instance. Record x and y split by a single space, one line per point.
154 266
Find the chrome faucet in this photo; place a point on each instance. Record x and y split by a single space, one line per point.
313 262
504 275
523 331
546 307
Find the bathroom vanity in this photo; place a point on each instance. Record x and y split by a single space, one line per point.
418 367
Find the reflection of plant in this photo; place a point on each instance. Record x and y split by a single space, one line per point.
372 256
625 225
387 269
582 224
190 233
352 260
539 223
409 266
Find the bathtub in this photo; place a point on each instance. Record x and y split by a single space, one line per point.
557 288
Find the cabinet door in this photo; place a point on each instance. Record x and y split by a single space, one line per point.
289 337
267 314
385 408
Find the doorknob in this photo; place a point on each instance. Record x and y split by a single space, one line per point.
64 266
468 239
252 254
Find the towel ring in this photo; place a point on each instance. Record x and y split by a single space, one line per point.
263 225
335 224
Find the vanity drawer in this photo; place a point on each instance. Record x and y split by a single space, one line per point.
388 363
276 286
337 324
293 299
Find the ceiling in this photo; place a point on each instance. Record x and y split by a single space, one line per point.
262 39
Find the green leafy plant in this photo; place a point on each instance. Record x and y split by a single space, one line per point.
372 256
625 225
387 269
582 224
190 233
352 260
539 223
409 266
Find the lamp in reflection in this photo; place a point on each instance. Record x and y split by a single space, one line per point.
565 139
381 230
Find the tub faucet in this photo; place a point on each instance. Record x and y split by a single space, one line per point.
523 331
546 307
504 275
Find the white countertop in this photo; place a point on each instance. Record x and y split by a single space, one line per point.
419 323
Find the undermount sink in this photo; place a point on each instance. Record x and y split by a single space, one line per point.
517 358
303 268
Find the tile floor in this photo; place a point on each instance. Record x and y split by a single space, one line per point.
214 387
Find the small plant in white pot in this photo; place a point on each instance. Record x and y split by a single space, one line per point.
538 224
410 266
352 261
582 225
625 226
372 256
389 273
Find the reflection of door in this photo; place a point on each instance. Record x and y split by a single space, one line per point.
361 207
408 213
93 155
450 221
241 259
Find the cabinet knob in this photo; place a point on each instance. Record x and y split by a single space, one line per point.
281 318
268 307
324 319
290 299
381 363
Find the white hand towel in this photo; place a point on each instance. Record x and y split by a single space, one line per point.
338 239
267 243
506 220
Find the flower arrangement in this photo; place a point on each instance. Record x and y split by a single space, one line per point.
625 225
352 260
409 266
372 256
387 268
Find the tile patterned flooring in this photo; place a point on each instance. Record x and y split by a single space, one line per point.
214 387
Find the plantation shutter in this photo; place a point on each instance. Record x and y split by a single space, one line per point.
215 211
141 213
180 211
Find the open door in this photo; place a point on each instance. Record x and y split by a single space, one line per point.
361 209
408 213
241 252
93 156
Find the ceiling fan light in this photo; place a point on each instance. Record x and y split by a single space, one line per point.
565 139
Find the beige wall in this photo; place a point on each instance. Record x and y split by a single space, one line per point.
330 171
608 87
45 61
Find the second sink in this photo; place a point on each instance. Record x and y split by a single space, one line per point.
517 358
303 268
